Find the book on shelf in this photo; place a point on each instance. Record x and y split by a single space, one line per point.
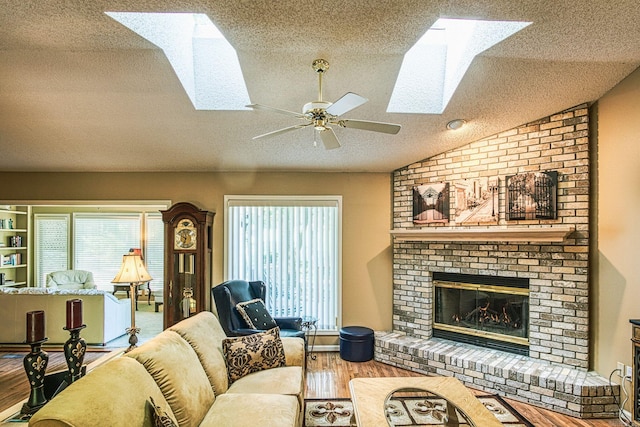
11 259
15 241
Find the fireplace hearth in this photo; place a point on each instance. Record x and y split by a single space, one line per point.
488 311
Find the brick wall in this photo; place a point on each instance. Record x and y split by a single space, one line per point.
558 272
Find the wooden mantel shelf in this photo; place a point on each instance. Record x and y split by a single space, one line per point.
550 233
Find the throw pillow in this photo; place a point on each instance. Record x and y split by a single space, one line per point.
160 417
256 315
252 353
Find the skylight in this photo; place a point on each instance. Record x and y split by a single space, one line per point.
432 69
204 61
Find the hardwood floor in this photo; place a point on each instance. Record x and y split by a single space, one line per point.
328 376
14 386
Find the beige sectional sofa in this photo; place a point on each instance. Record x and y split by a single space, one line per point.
183 370
106 316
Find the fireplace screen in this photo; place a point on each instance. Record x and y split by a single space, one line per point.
497 313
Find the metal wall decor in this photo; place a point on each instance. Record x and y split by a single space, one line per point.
531 195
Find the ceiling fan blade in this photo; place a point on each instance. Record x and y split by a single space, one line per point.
280 131
329 139
275 110
372 126
348 102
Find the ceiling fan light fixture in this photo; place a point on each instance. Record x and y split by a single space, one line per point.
322 114
456 124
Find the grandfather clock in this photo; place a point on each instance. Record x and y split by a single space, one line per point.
187 261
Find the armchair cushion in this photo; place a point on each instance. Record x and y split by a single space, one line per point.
256 315
252 353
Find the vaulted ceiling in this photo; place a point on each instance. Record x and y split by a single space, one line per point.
81 92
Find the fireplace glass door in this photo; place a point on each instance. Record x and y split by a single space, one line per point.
498 313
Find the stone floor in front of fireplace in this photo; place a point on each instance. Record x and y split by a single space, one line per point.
561 388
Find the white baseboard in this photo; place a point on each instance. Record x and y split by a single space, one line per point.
325 348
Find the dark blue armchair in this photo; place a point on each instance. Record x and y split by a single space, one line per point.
228 294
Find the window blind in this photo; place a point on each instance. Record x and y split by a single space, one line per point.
100 241
154 251
293 245
51 245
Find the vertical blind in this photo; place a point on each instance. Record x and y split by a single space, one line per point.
52 245
294 247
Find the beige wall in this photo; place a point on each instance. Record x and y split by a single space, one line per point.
616 268
366 261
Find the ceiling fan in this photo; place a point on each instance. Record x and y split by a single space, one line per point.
323 114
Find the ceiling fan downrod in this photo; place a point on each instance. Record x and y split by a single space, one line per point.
320 66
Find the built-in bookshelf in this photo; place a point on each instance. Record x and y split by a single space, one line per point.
14 244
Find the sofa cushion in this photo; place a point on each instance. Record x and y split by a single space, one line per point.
253 353
284 380
256 315
204 333
264 410
114 394
175 367
294 351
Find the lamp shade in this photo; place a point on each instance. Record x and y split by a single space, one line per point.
132 270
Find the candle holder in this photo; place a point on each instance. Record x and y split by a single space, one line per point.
35 365
74 351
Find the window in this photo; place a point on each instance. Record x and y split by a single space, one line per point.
154 253
52 245
100 240
293 245
96 242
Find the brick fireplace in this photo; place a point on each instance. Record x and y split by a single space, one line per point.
555 373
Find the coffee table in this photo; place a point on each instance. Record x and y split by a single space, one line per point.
369 395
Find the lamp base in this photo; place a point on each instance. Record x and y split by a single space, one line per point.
133 339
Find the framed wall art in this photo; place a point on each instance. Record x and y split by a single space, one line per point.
431 203
532 195
476 201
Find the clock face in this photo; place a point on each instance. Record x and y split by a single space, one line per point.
185 235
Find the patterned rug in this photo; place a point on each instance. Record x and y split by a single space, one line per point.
406 412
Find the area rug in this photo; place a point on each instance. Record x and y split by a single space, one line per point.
406 412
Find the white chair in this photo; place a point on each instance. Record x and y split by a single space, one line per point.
70 279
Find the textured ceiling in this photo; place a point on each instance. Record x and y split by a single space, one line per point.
80 92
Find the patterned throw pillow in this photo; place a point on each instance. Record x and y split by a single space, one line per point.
160 417
252 353
256 315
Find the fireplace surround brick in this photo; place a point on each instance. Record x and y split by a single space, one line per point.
563 389
558 272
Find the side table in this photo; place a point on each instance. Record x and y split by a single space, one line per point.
310 323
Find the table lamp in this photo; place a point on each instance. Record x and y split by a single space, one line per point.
133 272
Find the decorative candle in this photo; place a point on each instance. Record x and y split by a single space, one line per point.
74 313
35 326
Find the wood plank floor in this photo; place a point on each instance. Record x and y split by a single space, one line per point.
14 386
328 376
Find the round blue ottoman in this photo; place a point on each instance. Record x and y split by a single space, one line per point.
356 343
